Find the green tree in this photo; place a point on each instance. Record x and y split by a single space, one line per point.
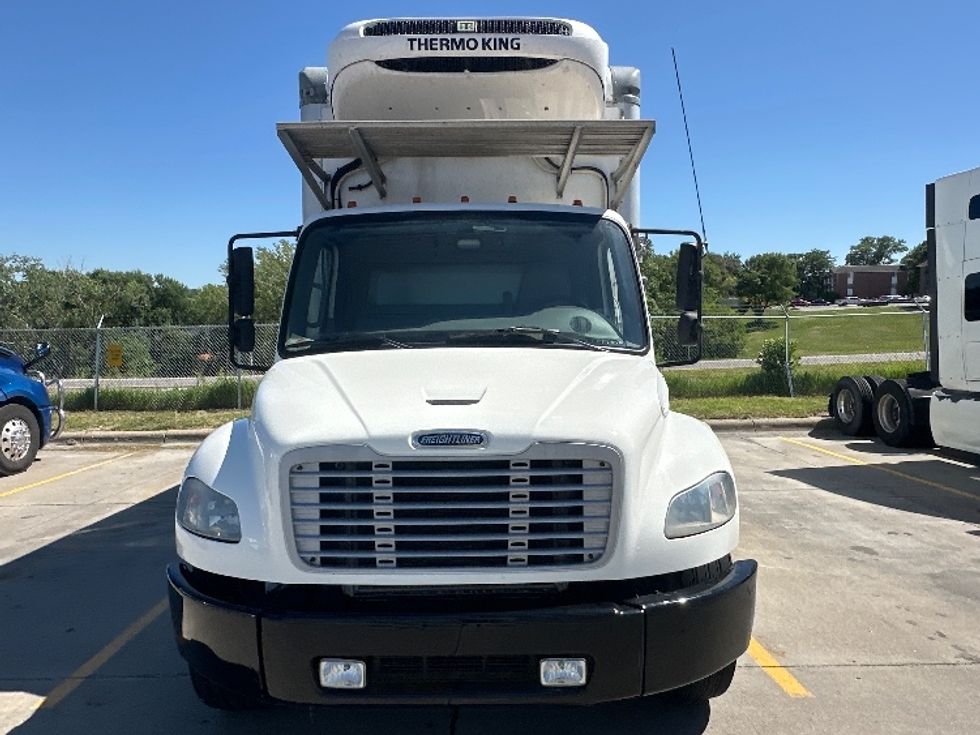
767 279
912 260
875 250
813 272
209 304
720 277
271 271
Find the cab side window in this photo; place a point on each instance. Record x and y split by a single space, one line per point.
971 303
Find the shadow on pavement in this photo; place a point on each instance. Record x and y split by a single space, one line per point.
875 483
63 603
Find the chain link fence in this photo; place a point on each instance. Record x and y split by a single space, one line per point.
798 340
180 356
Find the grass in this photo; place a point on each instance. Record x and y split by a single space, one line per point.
815 380
849 332
751 407
148 420
219 394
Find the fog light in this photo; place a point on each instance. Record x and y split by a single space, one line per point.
336 673
563 672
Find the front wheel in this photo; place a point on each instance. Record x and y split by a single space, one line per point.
20 438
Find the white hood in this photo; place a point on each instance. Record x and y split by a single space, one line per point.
518 395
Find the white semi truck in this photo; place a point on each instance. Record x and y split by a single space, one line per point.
941 405
461 481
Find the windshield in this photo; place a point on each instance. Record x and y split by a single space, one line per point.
463 278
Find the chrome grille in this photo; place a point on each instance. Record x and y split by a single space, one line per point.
444 26
538 509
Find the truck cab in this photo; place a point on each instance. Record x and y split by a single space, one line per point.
462 481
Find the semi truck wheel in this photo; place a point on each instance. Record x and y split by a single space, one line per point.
216 696
706 688
901 419
851 405
20 438
874 382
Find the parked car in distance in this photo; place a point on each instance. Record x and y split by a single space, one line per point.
850 301
819 302
28 418
798 302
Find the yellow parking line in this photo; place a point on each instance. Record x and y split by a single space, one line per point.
896 473
768 663
79 675
63 475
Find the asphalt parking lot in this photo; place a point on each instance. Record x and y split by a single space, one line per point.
867 618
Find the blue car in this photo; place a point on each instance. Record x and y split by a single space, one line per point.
28 418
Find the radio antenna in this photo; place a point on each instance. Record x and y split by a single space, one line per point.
690 150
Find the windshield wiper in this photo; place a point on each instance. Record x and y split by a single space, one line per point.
343 342
524 334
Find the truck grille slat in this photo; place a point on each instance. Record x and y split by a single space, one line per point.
456 537
477 472
427 489
489 505
547 507
427 554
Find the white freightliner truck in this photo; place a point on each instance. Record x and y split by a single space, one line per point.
941 405
462 481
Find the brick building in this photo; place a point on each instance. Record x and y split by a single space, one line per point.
869 281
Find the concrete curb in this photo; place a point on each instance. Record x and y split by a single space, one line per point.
187 436
774 424
167 436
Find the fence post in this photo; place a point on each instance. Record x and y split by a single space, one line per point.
786 361
98 361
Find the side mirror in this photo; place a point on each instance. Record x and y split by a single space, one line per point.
243 335
689 277
41 350
241 282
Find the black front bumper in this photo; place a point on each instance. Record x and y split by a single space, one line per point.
634 646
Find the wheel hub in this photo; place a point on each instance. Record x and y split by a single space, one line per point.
889 413
15 440
846 406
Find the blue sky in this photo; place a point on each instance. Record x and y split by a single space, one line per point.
141 134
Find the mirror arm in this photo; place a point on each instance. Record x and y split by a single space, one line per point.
232 354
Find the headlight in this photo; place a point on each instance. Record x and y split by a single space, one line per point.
707 505
206 512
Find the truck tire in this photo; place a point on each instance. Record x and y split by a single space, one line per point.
706 688
874 382
20 438
900 419
851 405
216 696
